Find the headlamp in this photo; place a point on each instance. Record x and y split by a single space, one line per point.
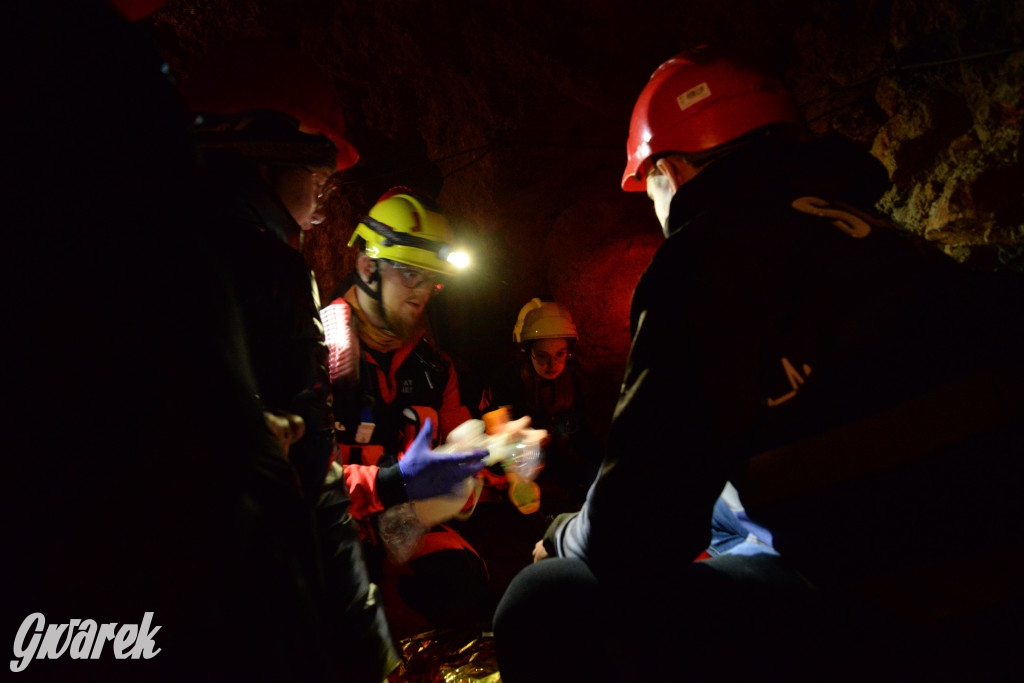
459 259
445 252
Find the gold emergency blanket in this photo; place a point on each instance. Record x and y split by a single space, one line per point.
447 656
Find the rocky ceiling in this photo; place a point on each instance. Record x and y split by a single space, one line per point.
515 112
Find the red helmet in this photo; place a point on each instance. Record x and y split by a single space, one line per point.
253 74
698 100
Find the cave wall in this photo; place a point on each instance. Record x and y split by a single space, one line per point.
515 112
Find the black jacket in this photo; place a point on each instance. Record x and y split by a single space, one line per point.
172 497
285 340
280 310
779 310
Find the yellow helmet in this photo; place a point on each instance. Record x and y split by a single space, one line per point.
408 228
543 320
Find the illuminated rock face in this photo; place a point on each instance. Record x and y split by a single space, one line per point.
515 114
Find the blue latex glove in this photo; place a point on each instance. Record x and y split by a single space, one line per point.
428 474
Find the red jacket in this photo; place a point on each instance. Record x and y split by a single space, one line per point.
398 390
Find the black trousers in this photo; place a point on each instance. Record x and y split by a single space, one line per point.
728 618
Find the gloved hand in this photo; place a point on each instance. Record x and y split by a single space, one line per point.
428 474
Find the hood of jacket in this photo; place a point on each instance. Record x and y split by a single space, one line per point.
832 167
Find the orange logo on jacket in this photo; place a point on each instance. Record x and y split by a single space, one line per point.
795 380
845 219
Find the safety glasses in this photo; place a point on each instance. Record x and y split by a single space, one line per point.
413 278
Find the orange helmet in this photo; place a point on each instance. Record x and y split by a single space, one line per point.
698 100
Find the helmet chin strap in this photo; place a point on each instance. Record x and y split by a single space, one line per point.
374 294
377 296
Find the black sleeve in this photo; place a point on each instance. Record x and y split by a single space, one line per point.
391 486
287 347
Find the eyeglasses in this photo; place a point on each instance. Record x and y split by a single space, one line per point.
547 358
412 277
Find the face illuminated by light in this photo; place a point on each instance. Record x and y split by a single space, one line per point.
402 307
664 177
660 190
300 190
549 356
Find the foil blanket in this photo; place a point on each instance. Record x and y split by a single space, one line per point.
447 656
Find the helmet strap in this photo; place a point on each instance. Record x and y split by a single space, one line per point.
375 278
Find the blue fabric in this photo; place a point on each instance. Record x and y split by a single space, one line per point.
733 533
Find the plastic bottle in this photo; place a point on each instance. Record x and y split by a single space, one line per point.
401 526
